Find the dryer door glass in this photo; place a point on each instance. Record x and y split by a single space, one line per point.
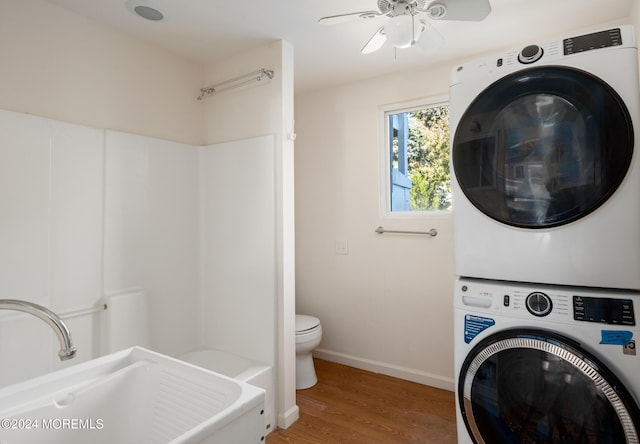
543 147
533 386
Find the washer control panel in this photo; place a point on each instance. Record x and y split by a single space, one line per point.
603 310
548 303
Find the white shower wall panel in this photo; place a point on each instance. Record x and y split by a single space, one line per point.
174 246
126 211
87 213
152 232
77 170
27 348
50 236
25 149
239 247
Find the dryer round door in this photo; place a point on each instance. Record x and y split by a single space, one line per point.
543 147
533 386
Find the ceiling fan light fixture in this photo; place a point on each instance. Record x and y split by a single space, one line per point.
406 23
402 31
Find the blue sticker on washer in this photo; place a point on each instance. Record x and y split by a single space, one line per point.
474 325
616 337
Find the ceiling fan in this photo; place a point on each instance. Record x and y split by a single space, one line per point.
406 25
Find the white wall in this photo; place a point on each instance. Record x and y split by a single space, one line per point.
386 306
60 65
634 17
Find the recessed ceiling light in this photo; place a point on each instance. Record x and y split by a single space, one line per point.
146 10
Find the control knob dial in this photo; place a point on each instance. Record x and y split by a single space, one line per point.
538 304
530 54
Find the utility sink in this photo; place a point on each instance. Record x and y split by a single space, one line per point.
132 396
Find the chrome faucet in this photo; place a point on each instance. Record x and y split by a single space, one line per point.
67 350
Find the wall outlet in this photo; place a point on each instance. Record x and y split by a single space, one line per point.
342 247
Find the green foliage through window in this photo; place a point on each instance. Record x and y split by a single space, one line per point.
419 159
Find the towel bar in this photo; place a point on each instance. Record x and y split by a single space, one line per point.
432 232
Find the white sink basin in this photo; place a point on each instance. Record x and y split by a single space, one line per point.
133 396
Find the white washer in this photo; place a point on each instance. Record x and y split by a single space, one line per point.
542 363
545 178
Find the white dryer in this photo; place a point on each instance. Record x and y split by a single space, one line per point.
545 164
546 364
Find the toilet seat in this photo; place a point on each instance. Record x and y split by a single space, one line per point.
306 324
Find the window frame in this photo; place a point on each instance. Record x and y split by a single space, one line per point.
385 161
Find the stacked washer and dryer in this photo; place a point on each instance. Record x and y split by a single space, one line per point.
546 185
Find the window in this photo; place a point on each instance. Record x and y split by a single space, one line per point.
416 151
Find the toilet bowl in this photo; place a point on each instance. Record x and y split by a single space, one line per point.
308 336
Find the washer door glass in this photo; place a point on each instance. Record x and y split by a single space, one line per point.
543 147
536 387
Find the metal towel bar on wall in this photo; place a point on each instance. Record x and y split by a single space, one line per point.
251 77
432 232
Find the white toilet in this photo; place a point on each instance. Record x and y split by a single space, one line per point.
308 336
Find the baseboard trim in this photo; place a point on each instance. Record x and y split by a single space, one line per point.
289 417
385 368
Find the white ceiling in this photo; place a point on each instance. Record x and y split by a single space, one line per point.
209 31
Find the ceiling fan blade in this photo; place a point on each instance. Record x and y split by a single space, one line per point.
344 18
430 39
375 42
468 10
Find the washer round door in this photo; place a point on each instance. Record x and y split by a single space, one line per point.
533 386
543 147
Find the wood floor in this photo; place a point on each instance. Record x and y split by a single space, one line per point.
359 407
